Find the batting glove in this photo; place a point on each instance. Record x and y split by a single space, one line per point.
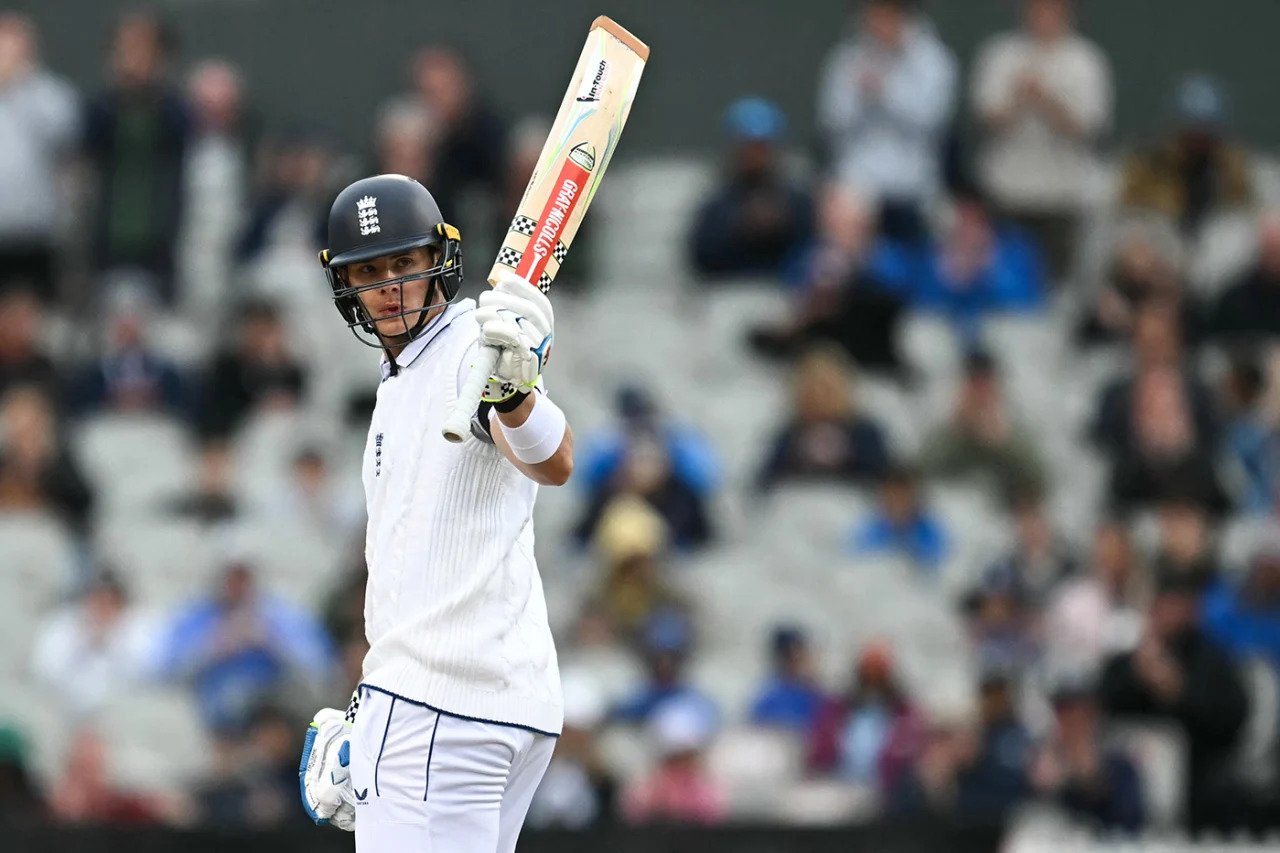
324 775
515 317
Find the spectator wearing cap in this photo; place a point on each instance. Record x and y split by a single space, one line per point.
256 373
885 101
1074 769
1249 309
1043 97
39 126
1097 615
1244 617
871 733
238 644
791 696
1196 172
845 287
632 543
666 644
1178 674
680 790
137 134
982 438
1251 436
757 218
826 438
578 790
130 376
979 267
901 525
95 649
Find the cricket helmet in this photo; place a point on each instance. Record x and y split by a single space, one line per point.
386 215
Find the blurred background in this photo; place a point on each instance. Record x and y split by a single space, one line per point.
923 361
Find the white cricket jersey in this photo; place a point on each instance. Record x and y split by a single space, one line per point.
454 609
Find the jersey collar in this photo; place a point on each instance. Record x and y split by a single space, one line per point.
417 345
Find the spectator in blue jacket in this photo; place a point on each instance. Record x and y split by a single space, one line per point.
239 644
1244 618
667 641
1251 438
790 697
978 269
901 525
757 217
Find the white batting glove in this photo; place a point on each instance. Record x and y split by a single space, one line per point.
516 317
325 773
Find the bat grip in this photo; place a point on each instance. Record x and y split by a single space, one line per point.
458 425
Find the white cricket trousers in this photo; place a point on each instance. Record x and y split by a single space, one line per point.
429 782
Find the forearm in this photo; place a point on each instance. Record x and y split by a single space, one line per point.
520 439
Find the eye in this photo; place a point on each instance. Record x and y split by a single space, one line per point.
366 269
404 262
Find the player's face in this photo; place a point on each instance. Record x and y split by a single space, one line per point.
396 308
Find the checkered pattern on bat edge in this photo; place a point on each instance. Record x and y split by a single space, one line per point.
544 283
523 225
508 256
559 252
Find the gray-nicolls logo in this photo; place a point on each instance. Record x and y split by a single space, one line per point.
367 213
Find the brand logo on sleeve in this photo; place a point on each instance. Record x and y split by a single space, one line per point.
377 455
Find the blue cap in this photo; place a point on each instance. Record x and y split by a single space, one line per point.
1201 100
754 120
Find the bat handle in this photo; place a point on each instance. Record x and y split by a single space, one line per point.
458 425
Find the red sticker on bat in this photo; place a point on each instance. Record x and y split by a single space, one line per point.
566 191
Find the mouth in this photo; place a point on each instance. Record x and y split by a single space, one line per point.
390 309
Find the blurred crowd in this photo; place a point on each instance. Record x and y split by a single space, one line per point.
158 289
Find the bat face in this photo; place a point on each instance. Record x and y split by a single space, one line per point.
577 151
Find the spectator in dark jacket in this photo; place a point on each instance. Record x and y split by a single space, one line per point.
791 696
129 376
37 469
844 289
1187 548
23 360
757 217
257 373
1177 674
1250 308
1166 461
826 438
1073 768
136 137
1157 347
1145 270
471 140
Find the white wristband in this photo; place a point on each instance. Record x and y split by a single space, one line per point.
539 437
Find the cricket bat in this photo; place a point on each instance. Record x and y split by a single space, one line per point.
572 162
